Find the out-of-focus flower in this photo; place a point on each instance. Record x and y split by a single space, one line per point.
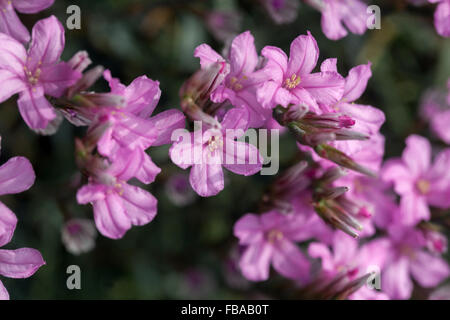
435 107
224 25
208 150
37 72
408 259
336 14
417 181
117 205
282 11
16 176
11 24
78 236
291 80
442 293
240 84
270 239
350 262
442 17
179 191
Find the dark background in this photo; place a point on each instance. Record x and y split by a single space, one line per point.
184 252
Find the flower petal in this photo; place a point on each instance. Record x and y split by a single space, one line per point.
16 175
206 179
324 87
57 78
32 6
10 23
11 84
255 261
36 111
356 82
47 43
396 281
20 263
243 57
289 261
242 158
140 205
3 292
248 229
303 55
8 222
429 270
207 55
110 217
417 155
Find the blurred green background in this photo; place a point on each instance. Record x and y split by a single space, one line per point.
186 251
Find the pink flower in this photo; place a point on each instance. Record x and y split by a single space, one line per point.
347 257
417 181
435 108
208 150
78 236
10 23
336 14
131 126
442 17
16 176
408 258
292 81
270 239
240 84
282 11
36 72
118 205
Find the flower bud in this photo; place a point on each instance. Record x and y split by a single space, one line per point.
78 236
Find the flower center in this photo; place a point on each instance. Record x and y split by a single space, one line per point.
33 78
423 186
274 235
236 84
214 143
292 82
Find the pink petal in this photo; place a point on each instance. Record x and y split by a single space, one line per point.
368 119
182 151
277 63
127 162
47 43
396 281
439 125
12 55
3 292
442 19
320 250
57 78
236 119
324 87
429 270
110 217
413 209
140 205
355 16
331 21
148 170
91 193
166 122
257 114
32 6
242 158
395 171
248 229
356 82
417 154
329 65
243 57
10 23
20 263
206 179
344 248
303 56
8 222
142 96
16 175
289 261
255 261
36 111
11 84
303 96
207 55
